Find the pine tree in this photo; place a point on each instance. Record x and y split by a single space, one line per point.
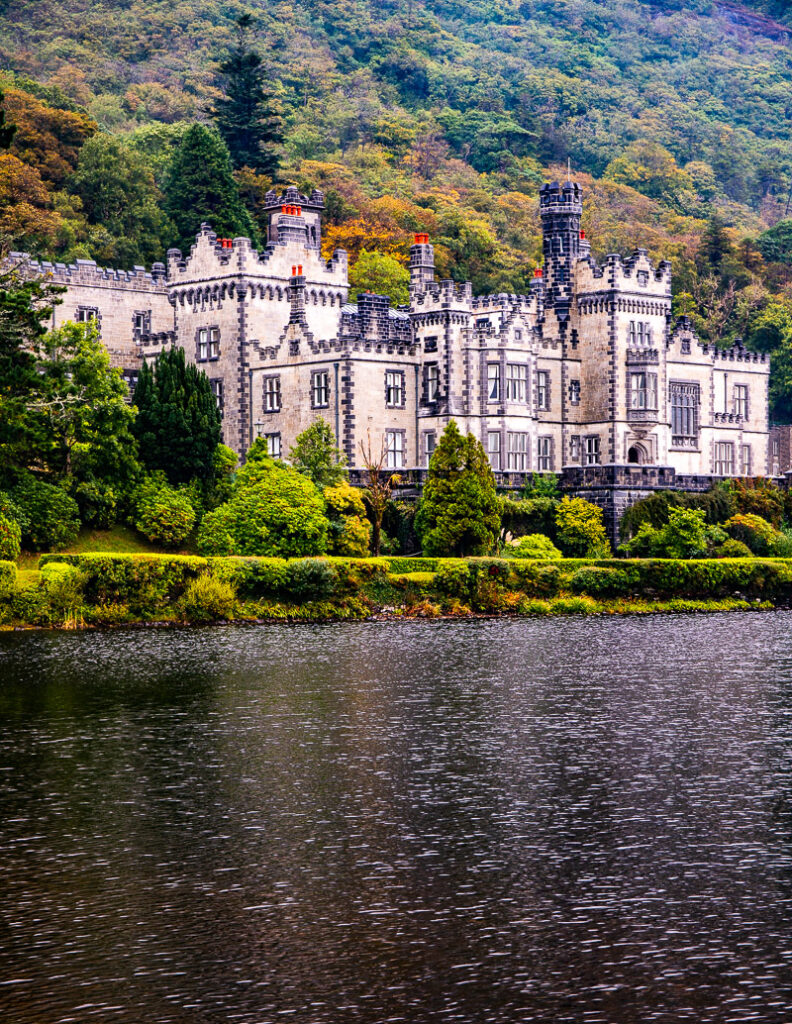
458 514
177 424
7 131
200 187
244 115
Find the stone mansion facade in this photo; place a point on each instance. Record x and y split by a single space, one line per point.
587 370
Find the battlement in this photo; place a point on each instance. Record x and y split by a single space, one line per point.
88 273
293 197
566 198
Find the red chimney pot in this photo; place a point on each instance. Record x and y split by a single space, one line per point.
299 269
538 272
582 234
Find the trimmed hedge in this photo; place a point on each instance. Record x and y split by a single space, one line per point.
110 588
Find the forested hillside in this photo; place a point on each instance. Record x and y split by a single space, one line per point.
443 117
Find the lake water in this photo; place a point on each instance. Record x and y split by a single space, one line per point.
567 820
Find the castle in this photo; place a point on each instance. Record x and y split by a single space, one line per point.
585 374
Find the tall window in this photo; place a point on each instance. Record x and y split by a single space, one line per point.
394 389
493 382
430 443
592 452
643 390
394 443
517 451
208 343
574 392
320 389
685 400
574 449
542 389
724 458
141 321
494 448
273 445
216 384
516 382
745 459
639 333
544 455
432 382
85 314
272 394
741 401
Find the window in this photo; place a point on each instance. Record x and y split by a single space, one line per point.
394 389
208 343
273 445
542 389
724 458
85 314
430 443
216 384
592 453
516 382
574 392
545 457
517 452
432 382
493 382
684 411
430 344
131 378
639 333
745 459
320 389
643 390
741 401
141 321
494 448
518 335
574 449
272 394
394 441
685 347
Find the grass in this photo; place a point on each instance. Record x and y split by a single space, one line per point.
118 540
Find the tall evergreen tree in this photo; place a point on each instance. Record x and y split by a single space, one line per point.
458 514
7 131
178 424
245 115
200 187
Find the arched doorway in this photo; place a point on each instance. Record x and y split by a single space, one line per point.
637 455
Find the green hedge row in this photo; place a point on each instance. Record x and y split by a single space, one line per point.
147 583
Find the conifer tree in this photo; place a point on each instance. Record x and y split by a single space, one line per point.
7 131
200 187
458 514
178 423
245 115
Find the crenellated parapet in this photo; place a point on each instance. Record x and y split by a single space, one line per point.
88 273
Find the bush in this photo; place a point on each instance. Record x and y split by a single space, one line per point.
756 533
275 512
453 579
51 519
685 535
759 497
208 598
344 500
733 549
164 515
63 585
354 539
531 515
8 577
98 503
350 530
537 579
10 538
579 529
311 579
717 504
600 581
533 545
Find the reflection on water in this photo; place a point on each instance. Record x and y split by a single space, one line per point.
551 821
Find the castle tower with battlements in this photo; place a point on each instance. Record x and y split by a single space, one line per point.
585 374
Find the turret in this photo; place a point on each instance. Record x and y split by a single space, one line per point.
294 218
561 207
422 267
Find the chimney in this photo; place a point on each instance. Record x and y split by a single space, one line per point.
422 269
297 296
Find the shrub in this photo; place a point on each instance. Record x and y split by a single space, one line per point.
275 512
51 519
755 532
208 598
164 515
354 539
782 546
536 579
685 535
98 503
531 515
63 585
717 504
733 549
212 537
10 538
344 500
11 510
599 580
8 577
453 579
311 578
350 530
579 529
574 606
533 545
759 497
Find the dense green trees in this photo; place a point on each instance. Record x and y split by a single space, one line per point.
178 423
244 114
200 186
458 514
316 455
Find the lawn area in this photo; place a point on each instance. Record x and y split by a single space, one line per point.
120 540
